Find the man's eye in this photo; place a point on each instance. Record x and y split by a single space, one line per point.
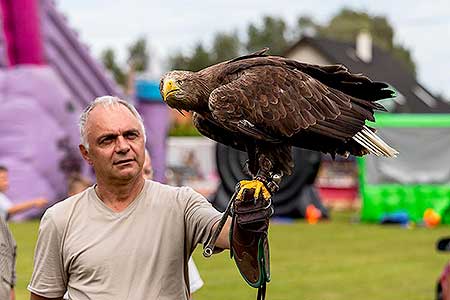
131 136
106 141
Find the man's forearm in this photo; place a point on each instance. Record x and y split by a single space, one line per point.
37 297
223 241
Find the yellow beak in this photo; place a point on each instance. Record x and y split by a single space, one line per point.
169 87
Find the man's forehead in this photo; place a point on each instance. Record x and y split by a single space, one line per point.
112 118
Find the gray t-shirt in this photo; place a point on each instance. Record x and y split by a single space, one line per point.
139 253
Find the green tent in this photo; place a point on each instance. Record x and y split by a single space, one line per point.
418 179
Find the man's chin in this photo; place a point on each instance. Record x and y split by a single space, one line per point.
127 174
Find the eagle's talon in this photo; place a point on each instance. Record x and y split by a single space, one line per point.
258 187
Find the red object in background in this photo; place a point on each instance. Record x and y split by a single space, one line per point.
313 214
336 194
431 218
21 27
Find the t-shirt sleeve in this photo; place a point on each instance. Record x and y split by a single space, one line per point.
200 217
48 278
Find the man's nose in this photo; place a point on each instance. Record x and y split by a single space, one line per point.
122 145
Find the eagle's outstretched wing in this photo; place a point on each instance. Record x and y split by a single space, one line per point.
281 101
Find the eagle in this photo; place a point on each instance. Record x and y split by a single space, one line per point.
265 105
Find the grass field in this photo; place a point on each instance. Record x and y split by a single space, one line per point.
332 260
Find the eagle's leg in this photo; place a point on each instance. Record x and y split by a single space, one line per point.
263 184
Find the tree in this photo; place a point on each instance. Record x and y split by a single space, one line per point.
305 26
272 34
225 47
346 25
201 58
179 61
138 56
137 61
108 58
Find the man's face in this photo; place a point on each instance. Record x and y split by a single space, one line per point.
4 182
116 143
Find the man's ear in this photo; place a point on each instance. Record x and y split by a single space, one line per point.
85 153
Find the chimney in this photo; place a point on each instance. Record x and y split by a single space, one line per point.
364 46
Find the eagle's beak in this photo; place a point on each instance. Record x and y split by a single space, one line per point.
169 87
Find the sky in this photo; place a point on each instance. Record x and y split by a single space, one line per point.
421 26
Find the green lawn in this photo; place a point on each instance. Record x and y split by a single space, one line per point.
338 259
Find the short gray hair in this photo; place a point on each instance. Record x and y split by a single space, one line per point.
105 101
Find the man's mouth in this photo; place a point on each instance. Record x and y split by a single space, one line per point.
123 161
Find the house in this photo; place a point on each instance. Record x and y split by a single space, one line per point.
338 179
364 57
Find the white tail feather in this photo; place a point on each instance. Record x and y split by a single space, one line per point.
374 143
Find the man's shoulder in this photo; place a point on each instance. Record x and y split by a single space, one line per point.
62 210
174 191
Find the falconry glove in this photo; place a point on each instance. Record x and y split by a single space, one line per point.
249 245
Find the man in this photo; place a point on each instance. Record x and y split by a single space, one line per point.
7 243
125 237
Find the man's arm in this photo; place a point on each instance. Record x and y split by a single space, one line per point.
223 240
37 297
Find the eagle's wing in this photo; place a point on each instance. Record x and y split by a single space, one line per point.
214 131
279 102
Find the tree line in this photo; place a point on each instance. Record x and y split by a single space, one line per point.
272 32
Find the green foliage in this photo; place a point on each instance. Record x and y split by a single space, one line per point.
178 61
138 56
201 59
271 34
346 25
404 55
274 33
183 129
225 47
138 60
108 58
305 25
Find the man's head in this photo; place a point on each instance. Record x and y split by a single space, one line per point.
112 139
4 182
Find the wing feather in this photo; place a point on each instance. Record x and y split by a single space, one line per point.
278 101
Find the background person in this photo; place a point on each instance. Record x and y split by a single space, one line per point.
8 245
7 207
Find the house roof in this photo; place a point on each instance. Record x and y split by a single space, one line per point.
412 97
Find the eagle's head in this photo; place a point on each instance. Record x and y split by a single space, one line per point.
183 90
